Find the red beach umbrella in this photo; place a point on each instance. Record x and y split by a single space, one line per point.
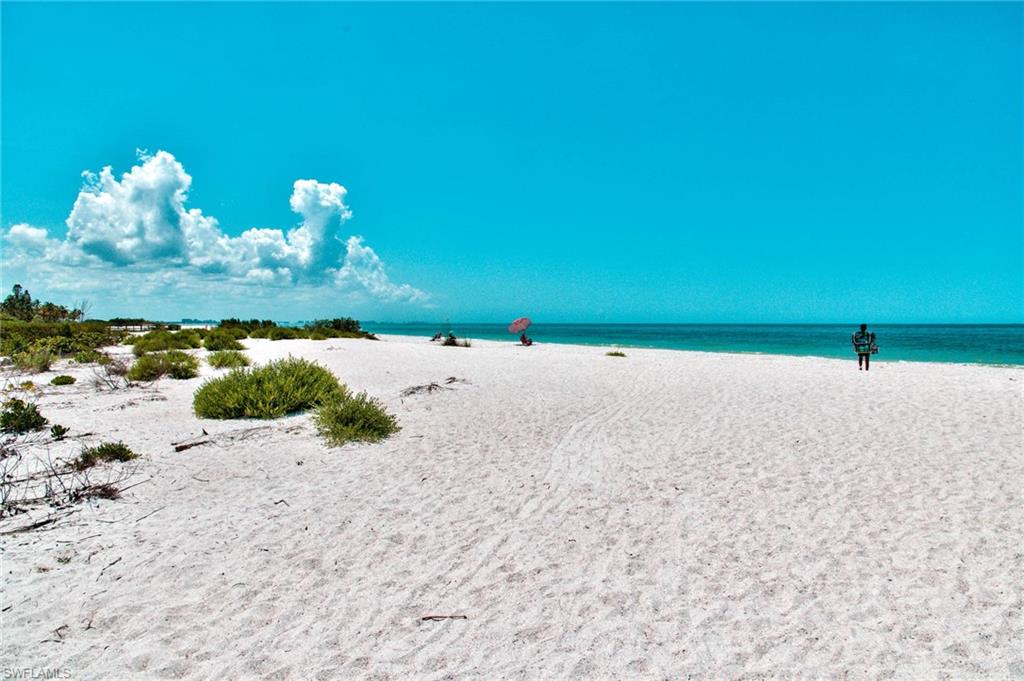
519 325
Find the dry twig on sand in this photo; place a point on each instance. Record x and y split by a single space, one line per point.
431 387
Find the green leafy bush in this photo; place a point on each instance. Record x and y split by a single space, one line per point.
354 418
219 339
615 353
227 359
105 452
175 363
267 392
20 417
161 341
63 379
57 337
57 432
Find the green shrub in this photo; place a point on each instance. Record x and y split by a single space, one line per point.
175 363
105 452
354 418
57 337
57 432
90 357
286 333
615 353
161 341
342 327
246 328
227 359
33 361
69 345
237 332
261 332
20 417
63 379
221 340
267 392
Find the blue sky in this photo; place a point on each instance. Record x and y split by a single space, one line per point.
574 162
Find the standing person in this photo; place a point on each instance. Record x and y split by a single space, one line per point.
863 343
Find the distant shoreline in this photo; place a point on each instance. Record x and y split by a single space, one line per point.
993 345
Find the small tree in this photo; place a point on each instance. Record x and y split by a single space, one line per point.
51 312
19 304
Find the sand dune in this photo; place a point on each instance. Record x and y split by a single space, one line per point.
656 516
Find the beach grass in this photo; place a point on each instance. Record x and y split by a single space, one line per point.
227 359
615 353
34 361
268 392
102 453
354 418
162 341
173 363
221 339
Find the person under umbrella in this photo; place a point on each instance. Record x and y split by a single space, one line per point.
519 326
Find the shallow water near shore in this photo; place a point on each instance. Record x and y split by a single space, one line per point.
959 343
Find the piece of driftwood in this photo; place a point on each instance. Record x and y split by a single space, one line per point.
150 513
108 566
189 445
438 618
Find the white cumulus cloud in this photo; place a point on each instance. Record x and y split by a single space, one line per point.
141 221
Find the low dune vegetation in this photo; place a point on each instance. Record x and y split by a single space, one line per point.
290 386
63 379
283 387
615 353
227 359
36 334
34 361
105 452
220 339
174 363
91 357
18 416
354 418
320 329
162 341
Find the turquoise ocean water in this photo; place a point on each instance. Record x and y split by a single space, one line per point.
982 343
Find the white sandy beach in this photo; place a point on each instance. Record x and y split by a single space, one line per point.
663 515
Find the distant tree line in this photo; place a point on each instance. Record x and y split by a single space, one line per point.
20 305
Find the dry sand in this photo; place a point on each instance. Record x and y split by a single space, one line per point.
663 515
